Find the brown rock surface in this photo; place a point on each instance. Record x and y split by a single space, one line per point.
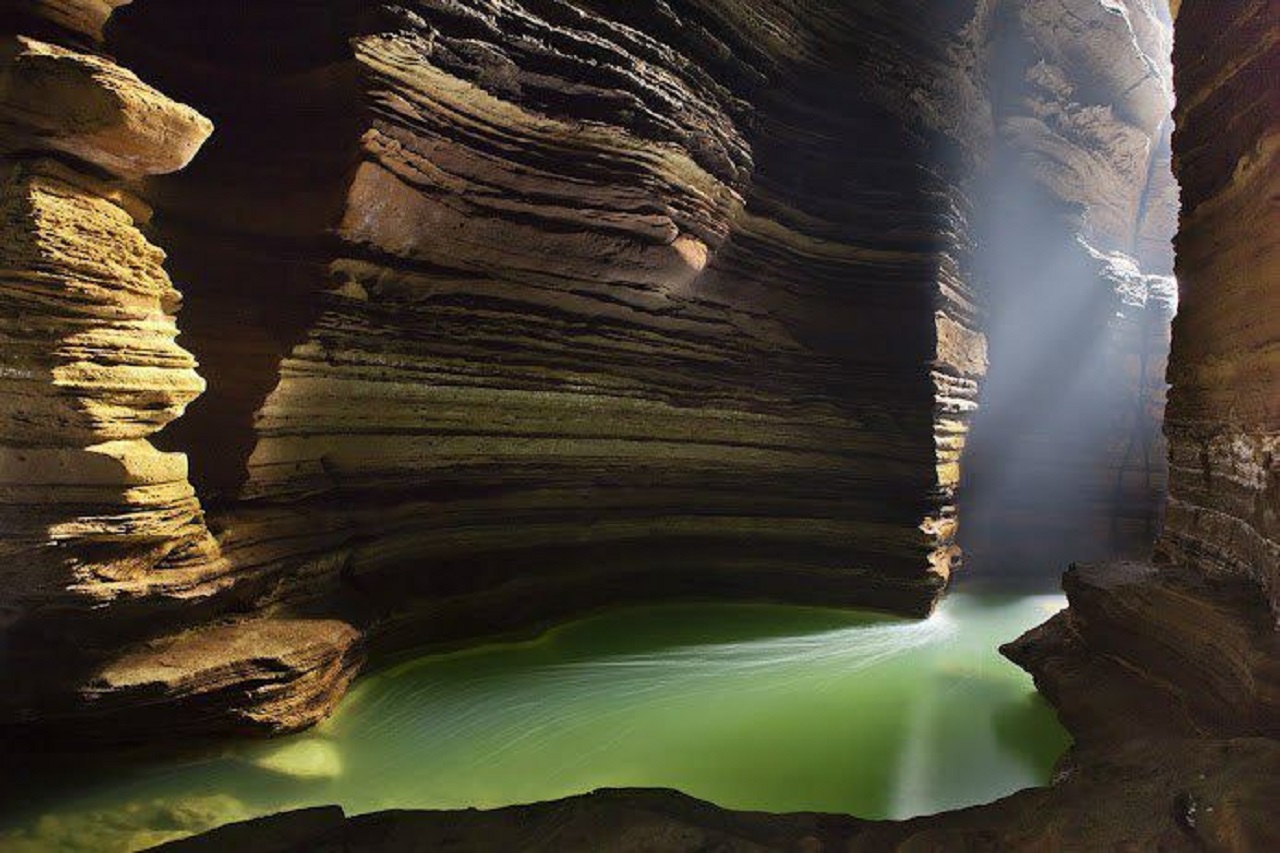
509 310
629 340
1167 675
104 539
1224 406
514 310
71 20
92 109
263 676
1146 653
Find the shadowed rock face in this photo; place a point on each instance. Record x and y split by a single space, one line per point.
510 310
1224 406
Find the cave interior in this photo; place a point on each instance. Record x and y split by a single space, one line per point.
363 361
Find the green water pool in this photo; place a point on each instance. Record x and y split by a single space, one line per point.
752 707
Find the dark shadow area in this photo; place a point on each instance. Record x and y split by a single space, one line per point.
245 224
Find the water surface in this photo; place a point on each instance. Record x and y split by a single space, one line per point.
752 707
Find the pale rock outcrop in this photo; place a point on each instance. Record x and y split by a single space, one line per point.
105 540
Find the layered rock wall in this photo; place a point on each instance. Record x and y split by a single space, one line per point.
564 311
1168 676
1224 407
105 542
94 518
510 310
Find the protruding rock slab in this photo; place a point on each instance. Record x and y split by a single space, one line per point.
1149 652
92 109
261 676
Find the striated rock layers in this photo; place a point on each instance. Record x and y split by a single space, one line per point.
538 316
104 539
509 309
506 310
94 517
1224 407
1168 675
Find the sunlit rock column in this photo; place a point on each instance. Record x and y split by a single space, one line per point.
104 540
93 516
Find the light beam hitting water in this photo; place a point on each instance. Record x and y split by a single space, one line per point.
751 707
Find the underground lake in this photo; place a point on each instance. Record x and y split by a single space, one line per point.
749 706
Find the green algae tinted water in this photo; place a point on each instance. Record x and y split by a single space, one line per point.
752 707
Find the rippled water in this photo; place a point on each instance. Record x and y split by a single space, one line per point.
754 707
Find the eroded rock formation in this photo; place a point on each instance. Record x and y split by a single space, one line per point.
1168 675
1224 408
566 322
511 310
104 540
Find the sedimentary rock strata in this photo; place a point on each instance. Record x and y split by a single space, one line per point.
1224 406
508 310
1167 674
254 676
1147 653
105 540
512 310
577 311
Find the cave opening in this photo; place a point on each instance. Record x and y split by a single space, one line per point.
1066 459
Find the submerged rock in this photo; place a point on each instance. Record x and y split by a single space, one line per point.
309 758
139 825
